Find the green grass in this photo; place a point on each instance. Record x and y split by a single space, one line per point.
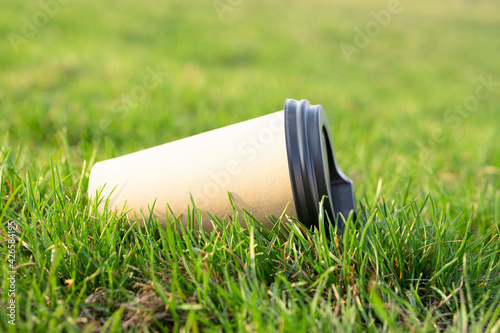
424 254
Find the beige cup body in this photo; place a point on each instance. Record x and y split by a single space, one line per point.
248 160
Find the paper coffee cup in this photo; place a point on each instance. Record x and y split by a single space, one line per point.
281 162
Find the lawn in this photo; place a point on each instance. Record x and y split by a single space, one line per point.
412 93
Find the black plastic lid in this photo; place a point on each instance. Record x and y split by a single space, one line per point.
313 168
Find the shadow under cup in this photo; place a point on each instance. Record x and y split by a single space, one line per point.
281 161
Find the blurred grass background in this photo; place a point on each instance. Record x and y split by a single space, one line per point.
392 107
386 106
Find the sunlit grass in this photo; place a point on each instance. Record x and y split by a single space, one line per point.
424 253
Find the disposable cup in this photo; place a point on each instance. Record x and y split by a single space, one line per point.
281 163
